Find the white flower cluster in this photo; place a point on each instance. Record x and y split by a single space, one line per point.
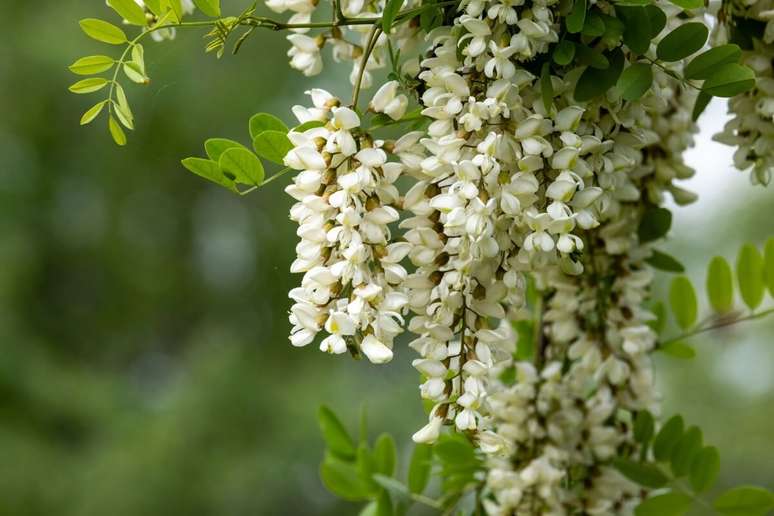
751 128
501 187
347 42
345 192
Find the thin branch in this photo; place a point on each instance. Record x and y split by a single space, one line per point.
373 36
721 324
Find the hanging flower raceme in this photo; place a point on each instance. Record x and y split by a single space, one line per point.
352 273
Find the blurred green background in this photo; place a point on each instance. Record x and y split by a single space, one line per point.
144 363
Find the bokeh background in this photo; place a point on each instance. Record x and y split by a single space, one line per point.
144 364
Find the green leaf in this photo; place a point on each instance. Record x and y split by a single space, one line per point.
768 265
702 66
209 170
729 80
655 224
124 114
682 42
103 31
93 112
702 101
546 88
588 56
577 17
265 122
594 82
644 427
365 464
135 74
705 468
89 85
614 29
272 145
644 474
749 273
635 81
385 455
637 28
594 26
384 504
657 19
688 4
391 9
682 299
395 487
116 132
336 438
420 467
210 8
243 165
91 65
455 450
215 147
664 262
659 310
129 11
744 501
370 510
720 285
678 349
564 53
685 451
342 479
667 438
667 504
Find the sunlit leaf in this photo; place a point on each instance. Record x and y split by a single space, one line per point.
749 273
682 299
91 65
103 31
720 285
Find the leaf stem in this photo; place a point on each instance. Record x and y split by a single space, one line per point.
721 324
372 38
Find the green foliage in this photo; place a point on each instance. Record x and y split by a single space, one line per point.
655 224
385 455
594 82
744 501
564 53
648 475
91 65
705 468
703 65
129 11
667 438
89 85
577 17
272 145
665 262
683 41
210 8
420 468
720 285
682 299
338 441
391 9
103 31
768 265
261 122
667 504
686 455
729 80
749 273
689 4
635 81
678 349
